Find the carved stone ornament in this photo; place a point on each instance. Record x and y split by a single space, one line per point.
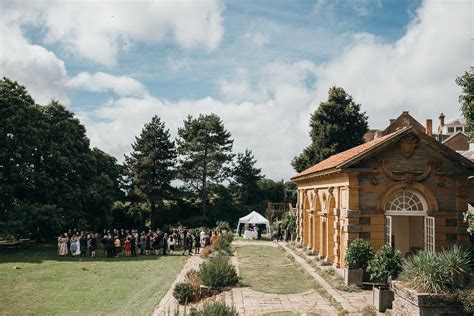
408 176
408 145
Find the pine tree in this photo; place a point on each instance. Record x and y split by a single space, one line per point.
151 165
336 125
205 149
246 177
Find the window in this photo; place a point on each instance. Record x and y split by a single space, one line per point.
405 202
459 128
450 129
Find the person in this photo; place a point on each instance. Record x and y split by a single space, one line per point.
73 246
127 247
78 246
279 235
156 244
63 245
186 242
147 244
214 238
117 246
103 242
171 244
109 246
133 245
142 243
83 244
164 243
92 244
137 241
197 244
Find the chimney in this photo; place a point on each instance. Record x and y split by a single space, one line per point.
429 127
441 120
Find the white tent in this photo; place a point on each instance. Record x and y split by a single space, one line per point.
254 218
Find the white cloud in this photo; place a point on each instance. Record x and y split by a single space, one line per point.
270 115
415 73
102 82
38 69
99 30
274 126
257 38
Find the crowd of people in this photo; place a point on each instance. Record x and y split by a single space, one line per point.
130 243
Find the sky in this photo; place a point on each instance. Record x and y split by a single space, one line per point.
263 66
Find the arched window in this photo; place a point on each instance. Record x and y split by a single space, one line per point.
406 202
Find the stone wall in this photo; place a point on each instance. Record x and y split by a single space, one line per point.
411 303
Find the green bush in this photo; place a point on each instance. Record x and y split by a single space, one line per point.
358 254
442 272
215 308
185 293
387 262
218 272
222 246
223 225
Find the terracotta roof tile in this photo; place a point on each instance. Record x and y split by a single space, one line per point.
342 157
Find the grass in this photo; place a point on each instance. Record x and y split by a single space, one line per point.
46 284
267 269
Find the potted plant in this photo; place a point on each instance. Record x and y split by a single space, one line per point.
358 254
386 265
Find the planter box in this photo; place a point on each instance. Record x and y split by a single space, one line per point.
353 276
408 302
382 298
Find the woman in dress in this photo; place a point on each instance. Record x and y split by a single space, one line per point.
127 247
63 245
171 244
73 246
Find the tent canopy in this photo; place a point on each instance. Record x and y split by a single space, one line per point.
254 218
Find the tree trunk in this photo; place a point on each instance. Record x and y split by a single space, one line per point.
153 215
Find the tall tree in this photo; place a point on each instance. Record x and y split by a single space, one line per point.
466 82
21 135
151 165
205 149
246 177
336 125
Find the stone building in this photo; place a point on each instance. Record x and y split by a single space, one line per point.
404 188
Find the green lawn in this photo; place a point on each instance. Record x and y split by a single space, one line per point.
268 269
49 285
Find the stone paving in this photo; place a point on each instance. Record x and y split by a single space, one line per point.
250 302
353 302
168 304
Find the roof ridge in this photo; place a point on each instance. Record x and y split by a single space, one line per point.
351 153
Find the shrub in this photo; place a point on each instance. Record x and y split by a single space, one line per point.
223 225
387 262
222 246
218 272
206 251
185 293
215 308
192 277
437 272
358 254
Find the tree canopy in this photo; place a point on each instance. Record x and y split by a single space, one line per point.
466 82
50 179
336 125
205 149
151 165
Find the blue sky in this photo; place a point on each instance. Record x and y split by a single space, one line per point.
263 66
